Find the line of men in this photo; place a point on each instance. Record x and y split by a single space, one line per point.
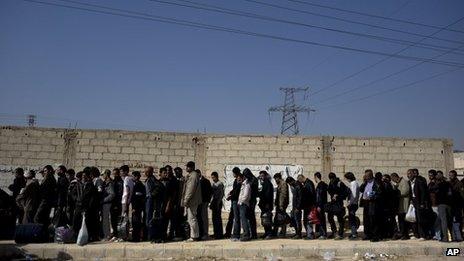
175 207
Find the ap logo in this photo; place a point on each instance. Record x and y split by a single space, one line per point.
452 252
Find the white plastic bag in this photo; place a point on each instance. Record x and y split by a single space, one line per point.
83 237
411 214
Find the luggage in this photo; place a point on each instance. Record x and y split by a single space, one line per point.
335 208
30 233
83 236
123 228
411 214
64 235
313 216
281 218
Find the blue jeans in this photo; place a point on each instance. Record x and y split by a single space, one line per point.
244 221
236 226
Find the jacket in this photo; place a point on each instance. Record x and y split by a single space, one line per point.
138 196
108 192
266 196
235 191
297 196
245 193
62 187
321 194
118 186
218 195
18 184
444 193
206 190
336 187
191 192
281 200
419 192
28 200
48 191
159 198
308 194
403 188
254 189
457 189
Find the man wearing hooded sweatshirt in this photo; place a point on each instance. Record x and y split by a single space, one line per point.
62 197
266 202
337 191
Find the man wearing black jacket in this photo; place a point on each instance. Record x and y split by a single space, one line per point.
62 196
421 201
337 191
116 206
138 207
159 194
370 192
320 203
233 224
254 194
88 203
47 196
297 203
19 183
308 196
206 194
149 186
266 203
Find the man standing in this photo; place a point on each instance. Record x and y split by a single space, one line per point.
47 196
206 193
370 193
149 207
216 205
281 204
138 207
421 201
254 184
403 188
176 231
337 191
233 224
296 188
353 199
128 189
89 205
308 198
191 199
244 204
457 199
321 202
62 196
19 183
172 187
116 206
266 203
29 197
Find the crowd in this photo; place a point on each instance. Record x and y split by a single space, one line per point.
116 205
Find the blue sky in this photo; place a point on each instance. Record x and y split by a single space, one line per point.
103 71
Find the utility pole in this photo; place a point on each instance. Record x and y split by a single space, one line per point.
31 120
290 110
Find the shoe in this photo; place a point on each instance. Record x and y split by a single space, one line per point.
331 236
234 239
296 237
268 238
353 237
338 237
421 239
191 240
243 239
205 238
113 239
322 238
375 240
366 238
405 238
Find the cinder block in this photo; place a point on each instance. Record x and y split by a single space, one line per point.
88 134
129 150
95 155
163 145
136 143
175 145
141 150
135 157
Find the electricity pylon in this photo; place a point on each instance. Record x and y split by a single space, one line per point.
290 111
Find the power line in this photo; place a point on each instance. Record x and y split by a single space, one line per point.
382 60
219 9
351 21
372 15
187 23
393 89
380 79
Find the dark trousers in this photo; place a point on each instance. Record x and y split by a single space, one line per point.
42 215
371 225
322 227
137 224
403 225
236 226
422 228
115 214
456 215
176 221
230 222
341 223
217 223
297 213
245 222
94 228
252 219
352 219
158 228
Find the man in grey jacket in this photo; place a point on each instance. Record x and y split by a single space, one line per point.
191 199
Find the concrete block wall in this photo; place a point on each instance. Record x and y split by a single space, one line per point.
36 147
222 150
